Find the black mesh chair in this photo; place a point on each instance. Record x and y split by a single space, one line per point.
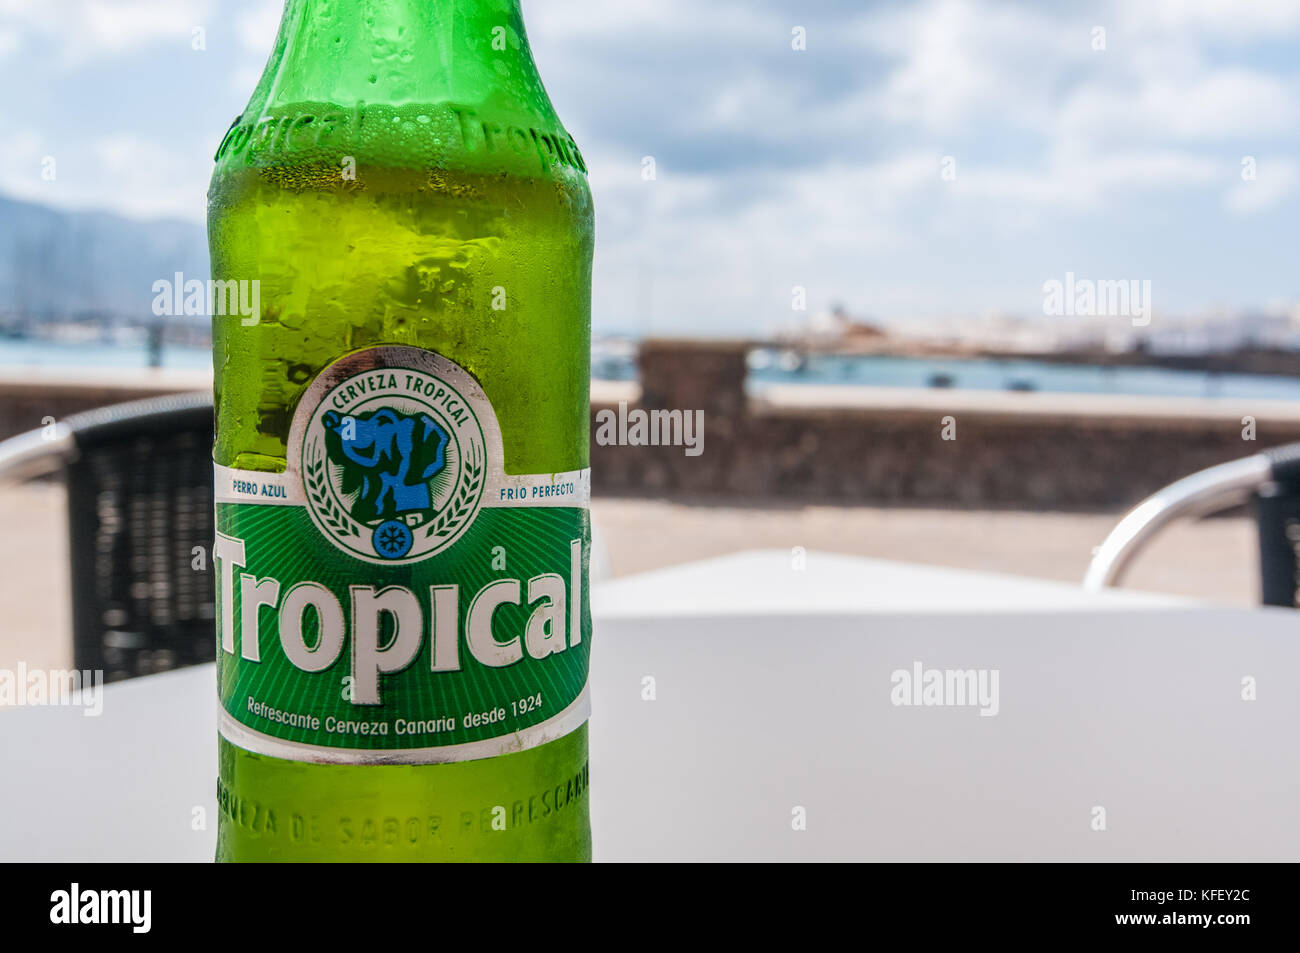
139 481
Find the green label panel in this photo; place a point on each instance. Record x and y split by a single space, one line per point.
477 650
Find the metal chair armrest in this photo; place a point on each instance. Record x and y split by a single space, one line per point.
36 453
1200 494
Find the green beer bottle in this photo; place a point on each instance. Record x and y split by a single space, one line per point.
402 446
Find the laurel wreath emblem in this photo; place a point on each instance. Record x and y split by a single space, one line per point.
463 500
331 514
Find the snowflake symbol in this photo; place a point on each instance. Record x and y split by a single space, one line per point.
392 540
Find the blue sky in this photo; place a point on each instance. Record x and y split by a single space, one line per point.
776 168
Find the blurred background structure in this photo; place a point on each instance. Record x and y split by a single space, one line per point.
951 282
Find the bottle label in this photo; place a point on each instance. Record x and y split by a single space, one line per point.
394 596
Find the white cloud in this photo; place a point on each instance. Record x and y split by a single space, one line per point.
1233 19
88 30
582 20
959 62
20 164
1275 181
257 26
1214 105
1086 182
150 179
1041 124
124 173
243 79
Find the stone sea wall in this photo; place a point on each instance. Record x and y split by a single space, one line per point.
921 447
846 444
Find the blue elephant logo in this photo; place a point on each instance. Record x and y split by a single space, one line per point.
387 458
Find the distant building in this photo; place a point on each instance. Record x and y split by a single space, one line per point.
838 329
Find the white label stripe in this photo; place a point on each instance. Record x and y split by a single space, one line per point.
571 488
570 719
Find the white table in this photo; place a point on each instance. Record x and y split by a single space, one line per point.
773 692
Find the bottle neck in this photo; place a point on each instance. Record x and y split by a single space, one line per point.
428 83
398 52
